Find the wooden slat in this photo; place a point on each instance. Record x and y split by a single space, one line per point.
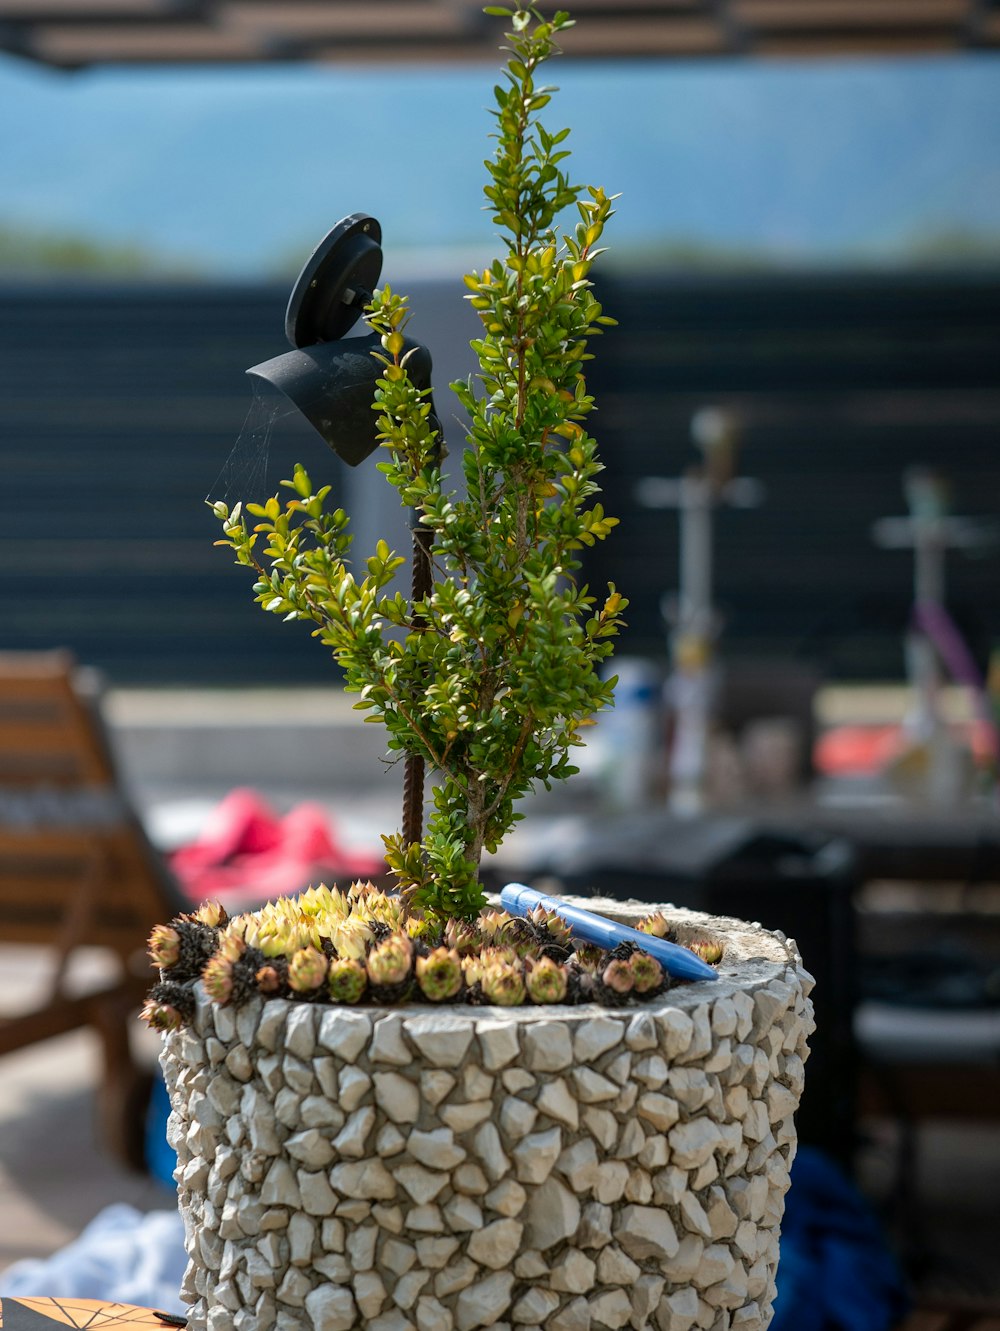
39 895
74 32
40 842
33 670
67 1015
122 933
43 893
70 44
51 858
621 36
66 882
315 19
805 45
832 15
45 732
122 936
48 733
35 894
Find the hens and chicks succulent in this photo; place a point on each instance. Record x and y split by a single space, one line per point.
328 945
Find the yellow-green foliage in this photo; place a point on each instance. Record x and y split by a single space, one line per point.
493 675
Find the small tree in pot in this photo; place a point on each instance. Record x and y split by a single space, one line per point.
489 673
435 1167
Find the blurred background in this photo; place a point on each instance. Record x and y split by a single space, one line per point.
799 418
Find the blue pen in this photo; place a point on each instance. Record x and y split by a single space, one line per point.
675 960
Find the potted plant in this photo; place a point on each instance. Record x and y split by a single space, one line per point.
407 1110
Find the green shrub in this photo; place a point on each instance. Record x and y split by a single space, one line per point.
492 677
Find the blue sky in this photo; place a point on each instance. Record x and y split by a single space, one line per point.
241 169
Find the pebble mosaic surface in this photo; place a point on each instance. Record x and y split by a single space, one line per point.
443 1169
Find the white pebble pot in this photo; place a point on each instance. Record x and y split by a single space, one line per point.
445 1168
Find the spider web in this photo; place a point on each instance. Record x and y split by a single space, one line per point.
244 473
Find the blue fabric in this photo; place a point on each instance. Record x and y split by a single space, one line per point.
122 1256
161 1158
836 1271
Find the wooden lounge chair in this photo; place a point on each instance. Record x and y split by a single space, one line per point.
76 871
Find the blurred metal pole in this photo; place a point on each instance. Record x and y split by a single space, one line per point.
413 766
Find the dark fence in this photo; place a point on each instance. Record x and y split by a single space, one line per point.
119 407
842 382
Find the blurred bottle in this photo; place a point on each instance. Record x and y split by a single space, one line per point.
628 735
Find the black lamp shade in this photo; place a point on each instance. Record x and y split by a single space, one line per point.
333 385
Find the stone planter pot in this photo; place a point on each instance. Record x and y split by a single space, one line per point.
458 1167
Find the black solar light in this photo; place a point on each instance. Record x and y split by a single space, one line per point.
331 379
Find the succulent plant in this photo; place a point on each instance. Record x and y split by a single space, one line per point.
549 928
270 979
588 959
615 982
168 1006
183 946
502 981
496 927
230 976
210 913
463 936
422 928
439 974
709 949
361 945
353 937
164 946
390 969
473 967
346 980
217 979
658 925
648 976
547 981
307 970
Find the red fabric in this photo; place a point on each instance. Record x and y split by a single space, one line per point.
867 750
247 854
856 750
